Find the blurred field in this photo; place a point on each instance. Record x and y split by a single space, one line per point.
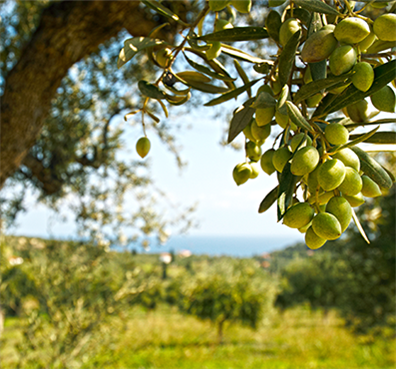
164 338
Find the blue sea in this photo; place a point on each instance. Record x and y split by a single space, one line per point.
222 245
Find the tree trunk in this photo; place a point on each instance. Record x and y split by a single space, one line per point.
68 31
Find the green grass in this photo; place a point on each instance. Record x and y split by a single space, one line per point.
166 339
296 339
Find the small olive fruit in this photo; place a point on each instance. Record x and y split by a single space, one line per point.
253 151
143 146
300 138
342 59
351 30
299 215
355 200
266 162
323 198
281 157
304 161
326 226
359 112
214 50
222 24
314 100
217 5
367 42
247 131
349 158
385 27
241 173
260 133
341 209
264 115
370 188
312 240
243 6
319 46
288 29
331 174
336 134
163 57
255 169
384 99
352 183
363 77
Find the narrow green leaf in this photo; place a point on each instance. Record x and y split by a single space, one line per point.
192 76
281 104
372 168
316 6
243 76
206 70
359 226
383 74
303 15
230 95
296 117
383 138
273 23
264 100
287 58
379 46
176 91
240 120
268 200
181 101
206 87
241 55
361 138
375 122
315 24
164 108
149 90
314 87
287 186
318 70
133 45
160 9
236 34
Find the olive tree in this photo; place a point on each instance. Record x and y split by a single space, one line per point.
322 63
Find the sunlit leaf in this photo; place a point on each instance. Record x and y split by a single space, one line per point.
191 76
359 226
160 9
382 138
133 45
237 34
296 117
372 168
379 46
206 70
241 55
230 95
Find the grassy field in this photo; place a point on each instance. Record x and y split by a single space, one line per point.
296 339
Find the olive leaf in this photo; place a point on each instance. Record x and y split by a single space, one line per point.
372 168
296 117
241 55
287 186
133 45
236 34
243 76
303 15
150 90
240 120
287 58
230 95
318 70
264 100
316 6
382 138
160 9
273 23
378 46
268 200
359 226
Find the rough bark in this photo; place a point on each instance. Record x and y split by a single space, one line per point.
68 31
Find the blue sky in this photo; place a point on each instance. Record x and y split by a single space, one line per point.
223 207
